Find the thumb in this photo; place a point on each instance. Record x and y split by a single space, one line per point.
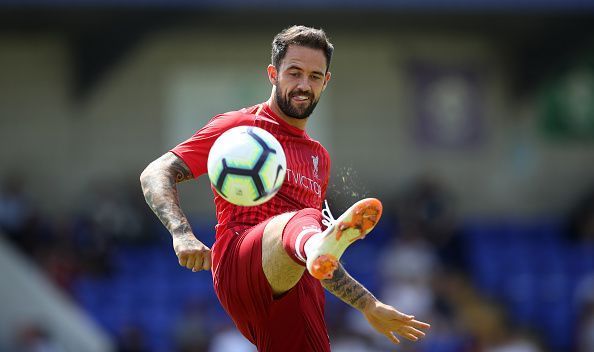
207 264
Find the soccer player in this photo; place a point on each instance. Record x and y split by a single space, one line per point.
270 262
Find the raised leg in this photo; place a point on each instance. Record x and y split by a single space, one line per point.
293 241
280 269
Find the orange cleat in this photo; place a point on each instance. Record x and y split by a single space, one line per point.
354 224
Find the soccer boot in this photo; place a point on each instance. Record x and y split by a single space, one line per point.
355 223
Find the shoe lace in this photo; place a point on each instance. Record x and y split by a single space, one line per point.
327 218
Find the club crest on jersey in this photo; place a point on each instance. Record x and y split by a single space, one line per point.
315 160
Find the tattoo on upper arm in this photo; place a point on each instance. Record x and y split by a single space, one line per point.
180 169
343 286
160 192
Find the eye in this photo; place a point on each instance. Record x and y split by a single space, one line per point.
294 74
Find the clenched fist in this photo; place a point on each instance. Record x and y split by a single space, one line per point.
192 253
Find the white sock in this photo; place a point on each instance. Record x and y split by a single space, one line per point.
312 244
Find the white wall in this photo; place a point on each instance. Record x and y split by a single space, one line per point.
28 298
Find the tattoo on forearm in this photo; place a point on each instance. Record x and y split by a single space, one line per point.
158 183
343 286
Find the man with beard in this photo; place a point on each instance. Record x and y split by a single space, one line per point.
270 262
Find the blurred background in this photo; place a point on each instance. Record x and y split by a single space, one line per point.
473 121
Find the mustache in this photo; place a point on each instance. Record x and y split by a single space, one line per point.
301 92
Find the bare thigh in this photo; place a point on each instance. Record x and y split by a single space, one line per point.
281 271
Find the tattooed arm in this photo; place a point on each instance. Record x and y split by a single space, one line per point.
343 286
382 317
159 184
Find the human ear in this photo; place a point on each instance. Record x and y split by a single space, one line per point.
272 74
326 80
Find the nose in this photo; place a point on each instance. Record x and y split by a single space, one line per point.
304 84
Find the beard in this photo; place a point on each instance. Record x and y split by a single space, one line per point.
293 111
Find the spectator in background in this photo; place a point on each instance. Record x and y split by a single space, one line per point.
109 217
585 311
510 338
422 265
407 268
113 215
50 247
427 211
585 333
61 265
191 332
484 322
14 207
34 338
349 332
132 339
229 339
17 218
580 223
92 246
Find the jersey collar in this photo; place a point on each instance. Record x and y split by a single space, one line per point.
292 129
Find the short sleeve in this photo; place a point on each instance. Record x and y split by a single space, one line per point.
194 151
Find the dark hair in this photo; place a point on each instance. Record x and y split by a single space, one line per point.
303 36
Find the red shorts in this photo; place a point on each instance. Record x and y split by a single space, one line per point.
293 322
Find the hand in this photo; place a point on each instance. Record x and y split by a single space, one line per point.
192 253
388 321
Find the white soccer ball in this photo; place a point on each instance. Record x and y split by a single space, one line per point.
246 165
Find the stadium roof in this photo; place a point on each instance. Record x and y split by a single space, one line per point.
430 5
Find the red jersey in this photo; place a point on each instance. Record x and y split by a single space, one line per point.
308 166
294 322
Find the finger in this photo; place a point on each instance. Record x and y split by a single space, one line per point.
207 261
182 259
390 335
410 336
198 263
190 262
411 330
419 324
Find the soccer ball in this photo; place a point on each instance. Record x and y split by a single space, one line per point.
246 165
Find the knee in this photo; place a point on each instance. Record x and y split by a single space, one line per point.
278 223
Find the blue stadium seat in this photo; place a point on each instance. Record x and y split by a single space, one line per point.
532 270
526 265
